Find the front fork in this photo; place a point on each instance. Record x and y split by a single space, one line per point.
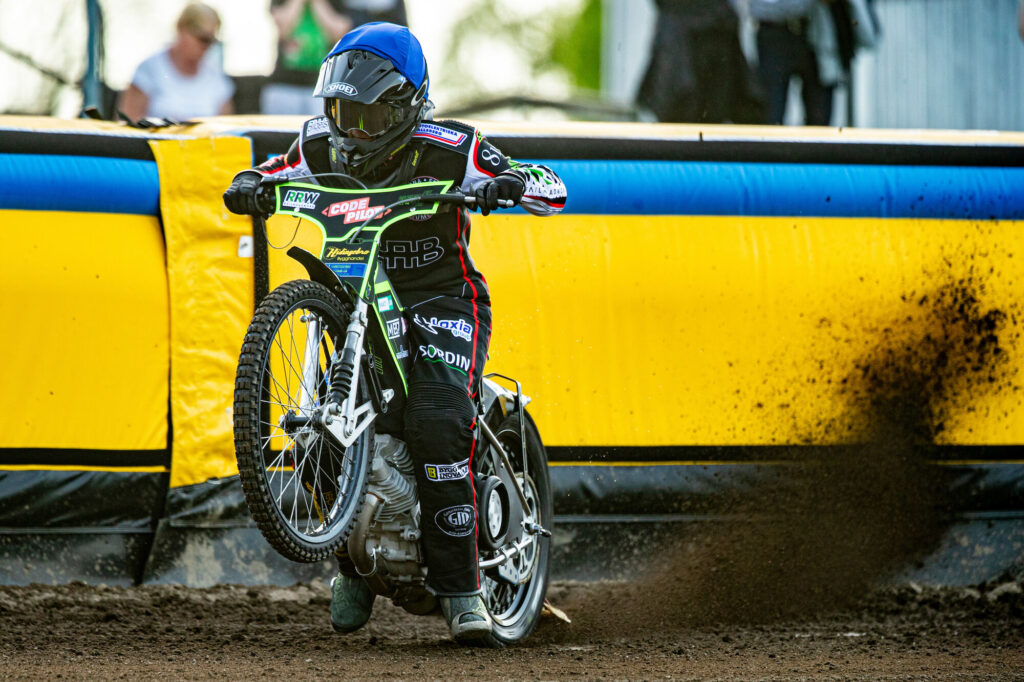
307 400
343 417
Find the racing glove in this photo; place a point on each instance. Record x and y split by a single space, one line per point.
240 197
503 186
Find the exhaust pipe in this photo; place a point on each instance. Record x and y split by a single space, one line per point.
366 561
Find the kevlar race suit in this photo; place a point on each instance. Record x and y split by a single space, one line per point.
447 309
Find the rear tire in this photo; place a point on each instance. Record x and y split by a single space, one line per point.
303 490
516 609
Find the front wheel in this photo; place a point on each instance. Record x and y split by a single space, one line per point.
516 608
303 490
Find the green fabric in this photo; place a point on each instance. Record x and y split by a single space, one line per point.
307 44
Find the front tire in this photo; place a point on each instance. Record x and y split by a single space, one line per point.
516 609
303 490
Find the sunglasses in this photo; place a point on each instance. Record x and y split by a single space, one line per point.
206 39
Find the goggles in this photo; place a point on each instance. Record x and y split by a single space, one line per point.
369 119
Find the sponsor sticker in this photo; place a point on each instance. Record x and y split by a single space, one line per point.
447 472
422 216
354 210
440 134
385 303
456 521
489 155
460 363
294 198
348 269
343 253
400 254
460 329
394 328
343 88
316 126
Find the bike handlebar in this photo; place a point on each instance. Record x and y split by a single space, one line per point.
465 199
265 195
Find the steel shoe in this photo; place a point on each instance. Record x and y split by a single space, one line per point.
351 603
467 618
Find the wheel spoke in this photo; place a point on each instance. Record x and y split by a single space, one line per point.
509 603
286 406
304 486
296 482
318 478
281 388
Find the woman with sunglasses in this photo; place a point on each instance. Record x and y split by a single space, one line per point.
185 80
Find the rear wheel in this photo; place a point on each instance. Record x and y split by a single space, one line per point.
516 608
303 490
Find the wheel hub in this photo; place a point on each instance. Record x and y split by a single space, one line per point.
493 531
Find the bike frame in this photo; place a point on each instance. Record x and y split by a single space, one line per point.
352 223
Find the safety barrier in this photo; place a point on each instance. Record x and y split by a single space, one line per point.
712 301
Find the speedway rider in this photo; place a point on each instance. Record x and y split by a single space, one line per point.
377 128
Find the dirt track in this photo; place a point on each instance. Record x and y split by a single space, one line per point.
79 631
784 592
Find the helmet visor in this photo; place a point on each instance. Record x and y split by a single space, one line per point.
369 119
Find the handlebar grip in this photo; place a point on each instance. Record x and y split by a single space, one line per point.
470 200
265 199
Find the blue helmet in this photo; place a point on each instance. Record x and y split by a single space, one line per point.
374 85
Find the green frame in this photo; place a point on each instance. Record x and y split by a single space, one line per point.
373 282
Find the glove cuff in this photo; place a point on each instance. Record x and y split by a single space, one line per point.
517 174
248 171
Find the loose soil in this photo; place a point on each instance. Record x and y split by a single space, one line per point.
785 589
231 632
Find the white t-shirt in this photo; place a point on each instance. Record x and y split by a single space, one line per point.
177 96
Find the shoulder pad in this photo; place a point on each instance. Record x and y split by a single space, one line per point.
449 135
315 127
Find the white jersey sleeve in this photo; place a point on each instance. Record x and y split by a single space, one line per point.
544 193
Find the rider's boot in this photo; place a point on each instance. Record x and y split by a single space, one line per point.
467 617
351 603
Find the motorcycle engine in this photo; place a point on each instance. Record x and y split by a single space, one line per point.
385 543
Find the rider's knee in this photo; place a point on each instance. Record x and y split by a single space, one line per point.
436 412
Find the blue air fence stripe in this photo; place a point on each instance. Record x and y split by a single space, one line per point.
761 189
89 184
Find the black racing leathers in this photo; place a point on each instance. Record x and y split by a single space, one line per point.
447 308
449 336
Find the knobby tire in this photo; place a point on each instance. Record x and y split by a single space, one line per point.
255 385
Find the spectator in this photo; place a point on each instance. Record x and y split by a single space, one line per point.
784 51
802 38
186 79
307 29
697 72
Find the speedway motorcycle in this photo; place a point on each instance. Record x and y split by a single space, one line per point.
319 395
